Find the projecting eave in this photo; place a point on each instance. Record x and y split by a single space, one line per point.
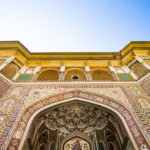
18 48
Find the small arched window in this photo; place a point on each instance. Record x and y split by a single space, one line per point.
101 145
52 147
111 146
75 77
43 146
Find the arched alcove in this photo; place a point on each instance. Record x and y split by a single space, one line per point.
101 145
139 69
101 75
42 146
52 146
106 104
75 74
48 75
10 70
111 146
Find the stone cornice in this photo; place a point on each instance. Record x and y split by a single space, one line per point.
131 47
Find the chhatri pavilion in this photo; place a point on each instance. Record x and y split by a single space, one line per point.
74 101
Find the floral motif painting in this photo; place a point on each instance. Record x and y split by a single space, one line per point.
77 144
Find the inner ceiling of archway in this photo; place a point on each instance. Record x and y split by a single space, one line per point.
76 116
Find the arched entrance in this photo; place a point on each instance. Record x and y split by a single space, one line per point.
76 125
117 116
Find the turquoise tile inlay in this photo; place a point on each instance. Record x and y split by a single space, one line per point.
24 77
125 76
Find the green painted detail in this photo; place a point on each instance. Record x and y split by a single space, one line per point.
24 77
125 76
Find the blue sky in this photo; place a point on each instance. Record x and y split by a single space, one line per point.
75 25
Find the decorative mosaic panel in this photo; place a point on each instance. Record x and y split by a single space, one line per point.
140 105
25 77
146 86
125 77
3 87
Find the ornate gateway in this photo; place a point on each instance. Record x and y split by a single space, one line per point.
74 101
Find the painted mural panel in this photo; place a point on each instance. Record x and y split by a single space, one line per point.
77 144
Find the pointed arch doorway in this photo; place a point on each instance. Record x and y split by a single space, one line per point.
114 119
76 125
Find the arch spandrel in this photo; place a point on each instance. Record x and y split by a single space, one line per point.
116 93
123 113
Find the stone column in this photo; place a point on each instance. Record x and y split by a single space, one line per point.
62 73
88 74
61 76
36 70
57 146
142 62
6 62
112 69
127 70
95 141
21 71
105 141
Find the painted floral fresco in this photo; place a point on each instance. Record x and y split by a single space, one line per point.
77 144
